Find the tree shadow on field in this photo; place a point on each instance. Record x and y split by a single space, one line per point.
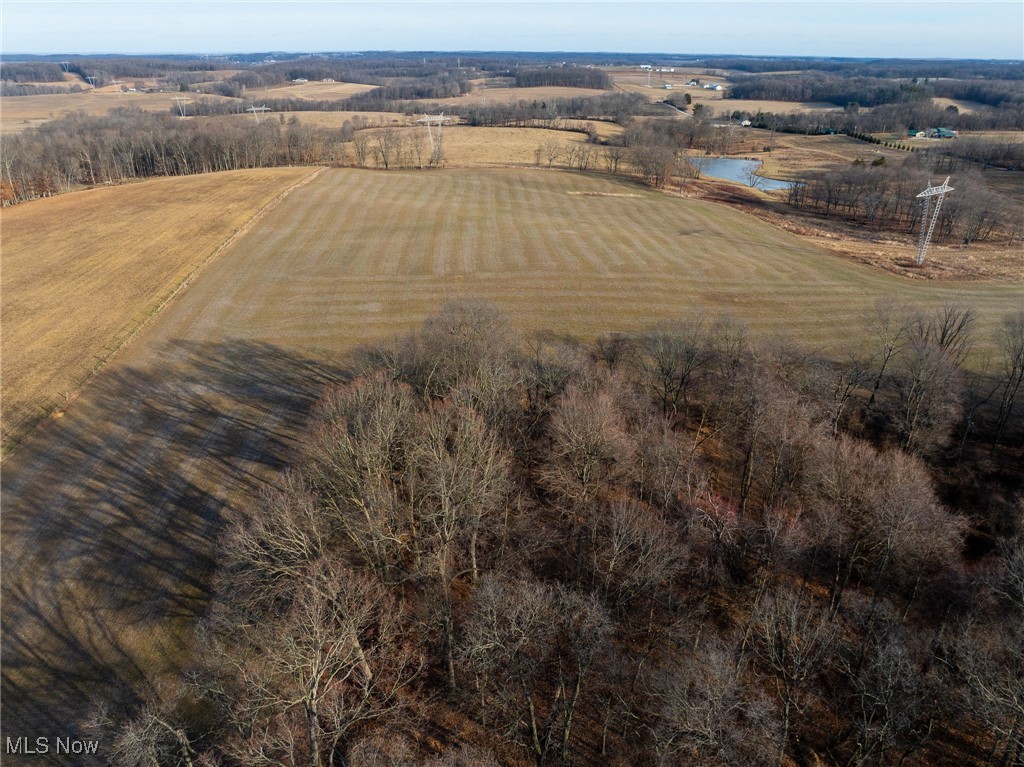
110 516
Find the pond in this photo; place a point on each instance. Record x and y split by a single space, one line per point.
739 170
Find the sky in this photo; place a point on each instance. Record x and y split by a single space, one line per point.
883 28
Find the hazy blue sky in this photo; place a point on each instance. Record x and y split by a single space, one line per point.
931 28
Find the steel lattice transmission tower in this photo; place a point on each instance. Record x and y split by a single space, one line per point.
257 110
928 226
436 150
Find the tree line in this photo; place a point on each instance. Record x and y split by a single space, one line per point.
33 72
818 86
873 91
10 89
440 86
886 68
680 547
128 144
889 118
615 106
569 77
884 197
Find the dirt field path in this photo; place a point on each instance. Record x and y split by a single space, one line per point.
111 513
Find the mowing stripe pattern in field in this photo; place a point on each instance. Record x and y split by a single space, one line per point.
359 255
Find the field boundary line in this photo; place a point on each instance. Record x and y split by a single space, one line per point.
128 333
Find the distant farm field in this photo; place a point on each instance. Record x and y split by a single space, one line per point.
722 106
966 107
314 91
467 146
484 95
795 155
18 113
79 268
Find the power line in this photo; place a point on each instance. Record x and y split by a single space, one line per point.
927 227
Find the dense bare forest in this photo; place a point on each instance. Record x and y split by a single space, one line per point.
873 91
681 547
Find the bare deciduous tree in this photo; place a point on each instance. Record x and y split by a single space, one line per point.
671 354
519 637
707 716
267 552
1011 343
357 458
388 145
337 659
590 446
930 386
792 638
634 552
462 486
890 326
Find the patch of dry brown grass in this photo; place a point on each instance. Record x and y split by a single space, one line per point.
794 156
80 269
485 95
721 106
466 146
313 91
963 106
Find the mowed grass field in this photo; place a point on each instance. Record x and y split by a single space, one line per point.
80 268
360 255
471 146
